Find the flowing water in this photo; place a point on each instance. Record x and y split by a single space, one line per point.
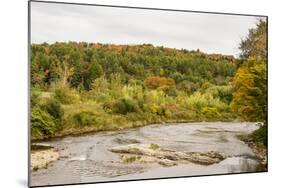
87 158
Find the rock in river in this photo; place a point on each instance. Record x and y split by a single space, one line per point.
165 157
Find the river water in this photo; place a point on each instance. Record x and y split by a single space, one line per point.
87 158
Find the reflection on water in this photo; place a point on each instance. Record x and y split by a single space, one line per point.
87 158
241 164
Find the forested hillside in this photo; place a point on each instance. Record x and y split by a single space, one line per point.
79 64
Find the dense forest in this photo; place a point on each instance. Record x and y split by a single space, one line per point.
79 87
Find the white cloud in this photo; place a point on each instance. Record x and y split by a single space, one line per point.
211 33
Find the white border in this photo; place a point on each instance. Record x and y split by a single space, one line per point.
13 99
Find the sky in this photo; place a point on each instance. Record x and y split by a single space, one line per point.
211 33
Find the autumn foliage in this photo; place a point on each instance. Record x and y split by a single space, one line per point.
250 82
157 82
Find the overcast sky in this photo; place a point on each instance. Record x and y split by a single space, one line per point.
211 33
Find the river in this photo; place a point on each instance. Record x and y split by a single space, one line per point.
86 158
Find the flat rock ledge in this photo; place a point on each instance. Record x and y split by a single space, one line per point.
40 159
152 153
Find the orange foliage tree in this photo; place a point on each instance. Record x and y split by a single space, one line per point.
158 82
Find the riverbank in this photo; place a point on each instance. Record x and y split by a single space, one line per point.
259 149
41 158
78 131
261 153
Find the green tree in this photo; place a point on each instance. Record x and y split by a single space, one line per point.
76 61
250 81
39 65
94 71
255 43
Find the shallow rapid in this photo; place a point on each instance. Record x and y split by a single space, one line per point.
87 158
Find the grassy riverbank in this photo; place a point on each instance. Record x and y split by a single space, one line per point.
53 117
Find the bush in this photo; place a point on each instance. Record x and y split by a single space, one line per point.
54 108
210 113
85 118
260 135
34 98
197 101
224 93
171 91
156 109
101 97
189 115
188 86
66 95
108 106
42 124
126 105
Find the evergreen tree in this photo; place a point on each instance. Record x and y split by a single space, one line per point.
94 71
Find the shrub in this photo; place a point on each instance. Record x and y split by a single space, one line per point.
34 98
108 106
189 115
156 109
102 97
171 109
155 97
260 135
171 91
42 124
66 95
224 93
211 113
85 118
133 91
126 105
168 114
54 108
197 101
188 86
